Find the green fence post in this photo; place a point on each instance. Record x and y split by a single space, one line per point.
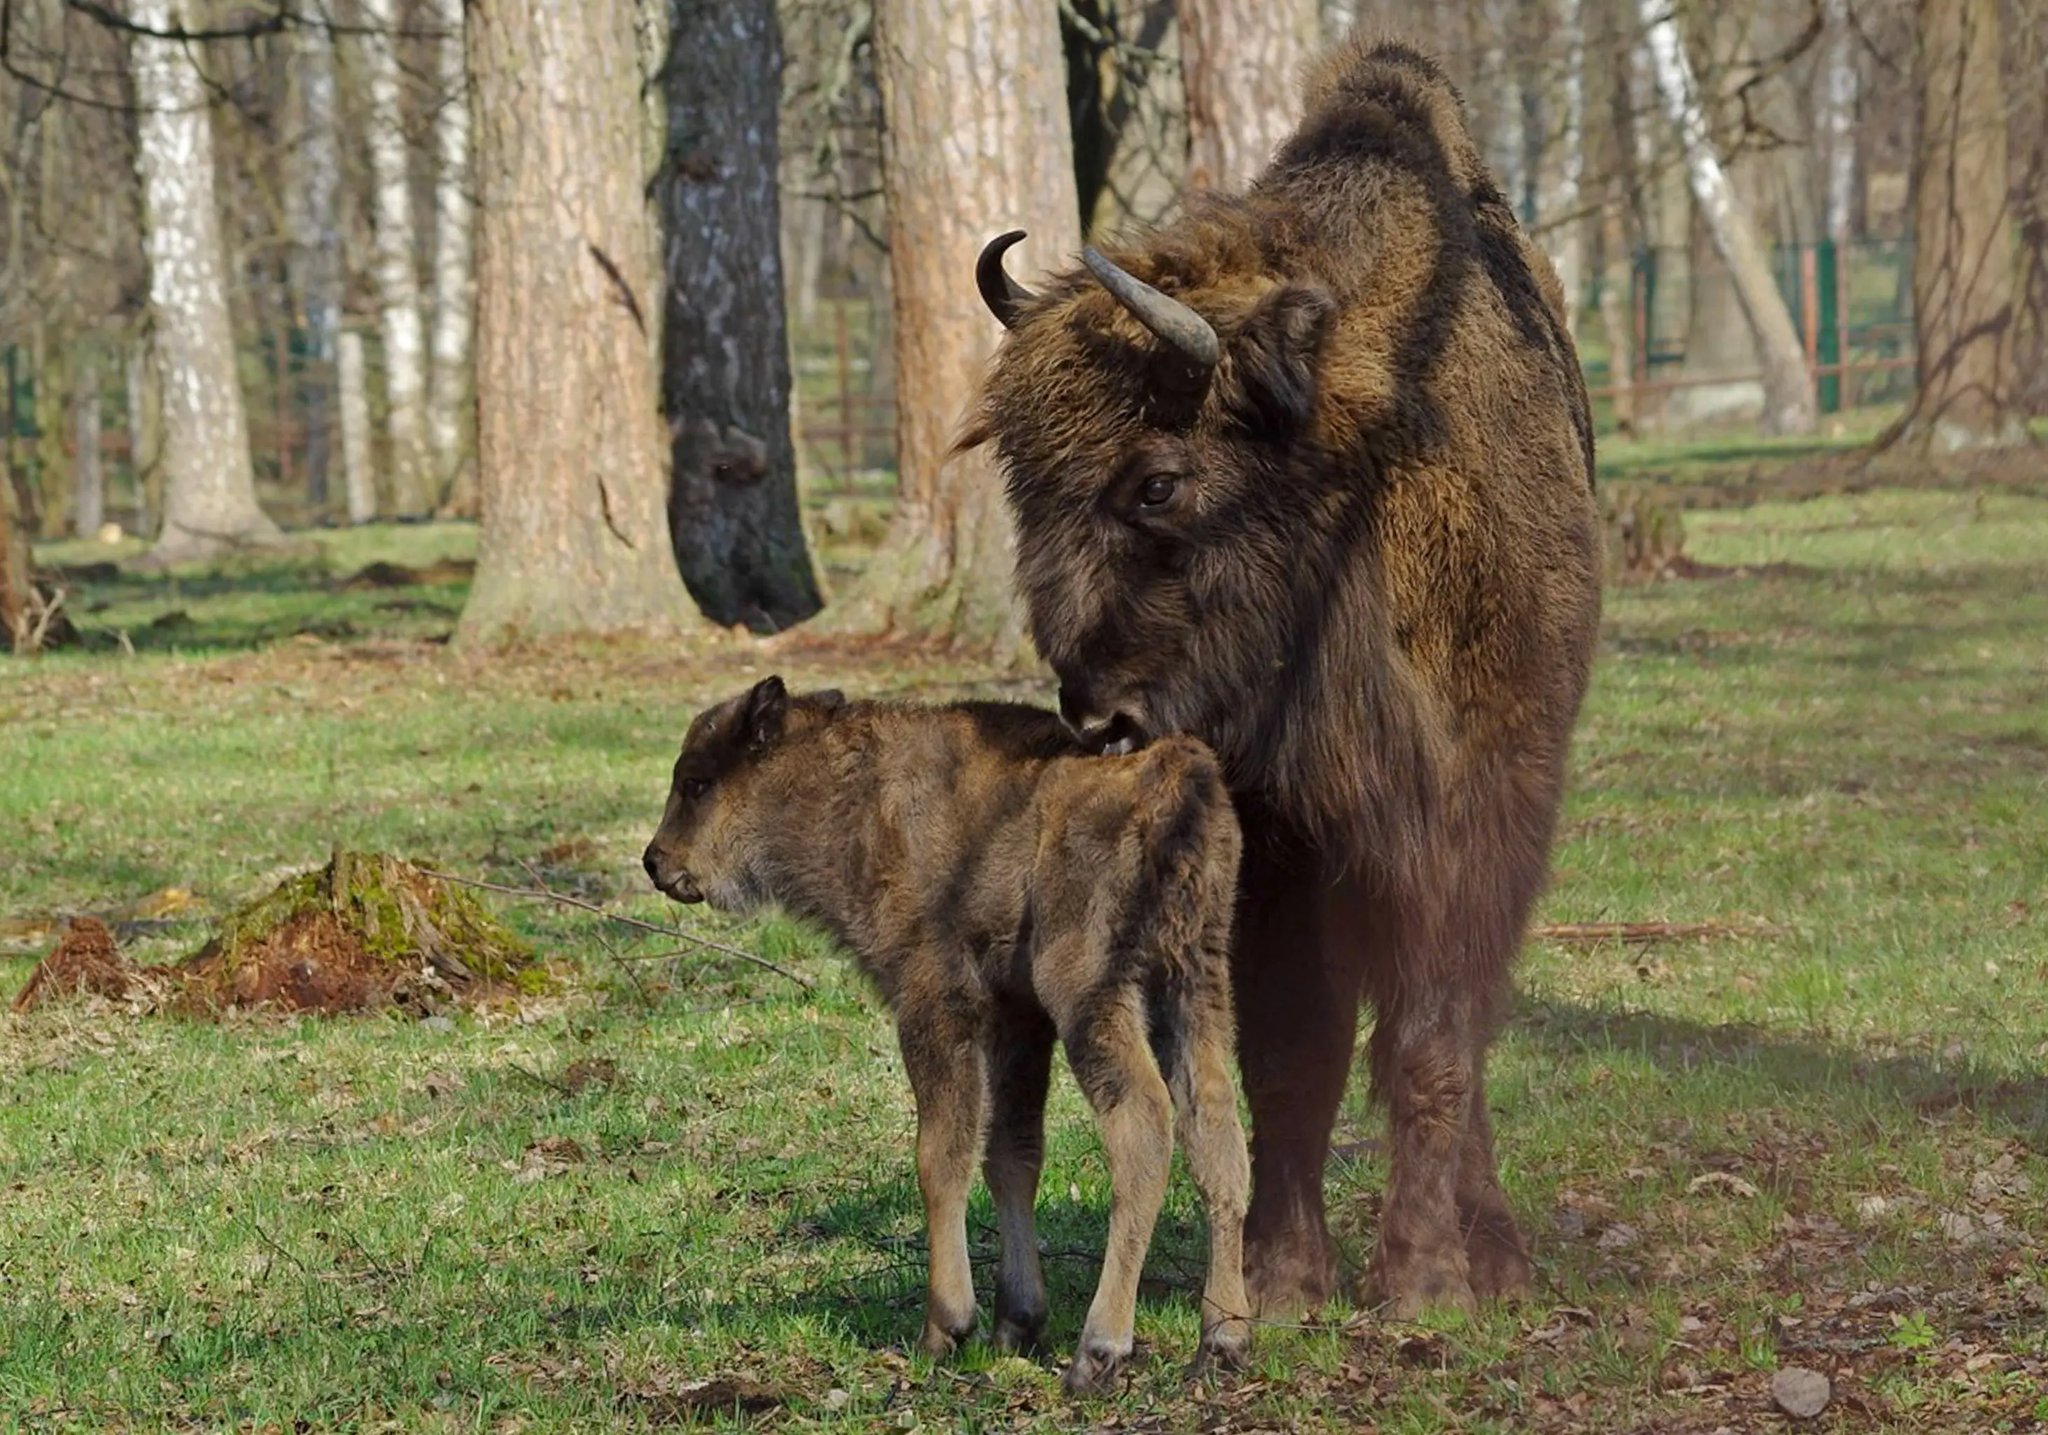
1829 348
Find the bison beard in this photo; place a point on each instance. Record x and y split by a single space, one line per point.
1308 473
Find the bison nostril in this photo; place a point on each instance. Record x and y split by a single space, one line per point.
653 865
1115 736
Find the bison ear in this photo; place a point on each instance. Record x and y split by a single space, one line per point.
831 700
762 717
1273 359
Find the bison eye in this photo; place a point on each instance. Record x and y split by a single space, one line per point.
1157 492
695 787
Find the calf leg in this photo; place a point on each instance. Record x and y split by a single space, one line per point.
1205 1100
1020 1067
1114 1068
945 1069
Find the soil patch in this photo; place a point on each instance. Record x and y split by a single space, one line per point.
364 933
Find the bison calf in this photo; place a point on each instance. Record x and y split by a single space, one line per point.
1002 889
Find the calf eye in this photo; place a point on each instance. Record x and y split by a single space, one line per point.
1157 492
695 787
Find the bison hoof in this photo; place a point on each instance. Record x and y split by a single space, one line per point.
1285 1279
1498 1262
1415 1288
1096 1365
1226 1345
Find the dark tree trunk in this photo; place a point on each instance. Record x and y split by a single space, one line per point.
724 347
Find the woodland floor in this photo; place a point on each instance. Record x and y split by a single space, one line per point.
682 1190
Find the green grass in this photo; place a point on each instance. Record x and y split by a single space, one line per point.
1816 1140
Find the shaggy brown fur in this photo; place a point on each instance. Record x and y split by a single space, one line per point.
1000 887
1360 557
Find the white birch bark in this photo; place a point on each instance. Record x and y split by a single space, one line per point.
1838 118
453 280
209 486
1569 245
1789 403
398 289
89 495
355 427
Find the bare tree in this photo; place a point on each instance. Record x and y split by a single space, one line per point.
1963 262
1000 96
725 377
1568 243
312 212
89 508
1789 401
359 482
570 458
454 292
1241 65
209 486
398 287
1837 118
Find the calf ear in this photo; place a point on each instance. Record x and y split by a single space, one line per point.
1273 359
762 718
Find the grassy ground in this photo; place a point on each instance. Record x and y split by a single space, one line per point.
684 1187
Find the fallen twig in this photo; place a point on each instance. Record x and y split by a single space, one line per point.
1651 931
563 899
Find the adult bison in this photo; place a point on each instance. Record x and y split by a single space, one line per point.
1307 472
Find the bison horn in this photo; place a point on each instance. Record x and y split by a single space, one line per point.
1004 296
1173 321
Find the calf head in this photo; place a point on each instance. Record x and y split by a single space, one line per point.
731 800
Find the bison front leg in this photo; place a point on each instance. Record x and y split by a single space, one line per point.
1497 1260
1423 1070
945 1068
1295 974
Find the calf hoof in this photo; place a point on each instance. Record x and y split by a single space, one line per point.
1096 1365
1226 1346
1289 1276
1411 1288
939 1342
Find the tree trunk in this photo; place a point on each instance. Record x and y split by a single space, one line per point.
976 140
725 378
1241 67
89 507
397 282
1568 244
358 473
14 568
1789 402
454 292
1963 295
312 196
53 461
1837 118
144 405
209 487
570 461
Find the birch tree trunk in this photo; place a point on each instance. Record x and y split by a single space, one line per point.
1241 66
725 380
209 486
454 292
89 502
1838 119
312 208
1568 248
1963 262
396 279
1789 402
571 465
358 473
976 140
